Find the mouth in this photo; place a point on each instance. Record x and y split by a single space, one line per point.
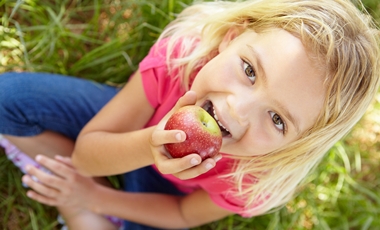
209 107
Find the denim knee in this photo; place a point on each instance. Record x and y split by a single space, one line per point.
33 102
14 105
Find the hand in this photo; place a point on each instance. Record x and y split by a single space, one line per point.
187 167
65 187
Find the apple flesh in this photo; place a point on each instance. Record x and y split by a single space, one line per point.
203 135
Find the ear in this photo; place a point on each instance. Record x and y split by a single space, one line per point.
231 34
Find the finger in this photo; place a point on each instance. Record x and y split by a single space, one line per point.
65 160
189 98
192 172
40 188
217 157
42 199
175 165
55 166
160 137
44 178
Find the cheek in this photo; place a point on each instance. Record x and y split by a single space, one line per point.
204 81
255 142
215 75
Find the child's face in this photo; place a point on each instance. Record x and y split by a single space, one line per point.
263 88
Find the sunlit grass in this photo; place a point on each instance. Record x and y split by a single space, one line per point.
104 41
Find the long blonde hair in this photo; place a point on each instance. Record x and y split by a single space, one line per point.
343 40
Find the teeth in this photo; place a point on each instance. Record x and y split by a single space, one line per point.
216 118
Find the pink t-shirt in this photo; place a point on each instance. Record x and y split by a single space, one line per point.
163 90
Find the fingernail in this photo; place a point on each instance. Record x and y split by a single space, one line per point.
25 179
209 166
178 136
38 157
28 167
28 194
194 161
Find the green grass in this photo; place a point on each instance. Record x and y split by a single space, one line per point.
104 41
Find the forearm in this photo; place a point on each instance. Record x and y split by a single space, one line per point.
158 210
153 209
95 151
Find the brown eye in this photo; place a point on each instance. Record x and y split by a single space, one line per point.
278 122
277 119
250 72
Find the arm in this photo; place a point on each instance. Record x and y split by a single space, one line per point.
114 136
158 210
114 142
68 188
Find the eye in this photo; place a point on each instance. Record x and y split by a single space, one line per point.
278 122
250 72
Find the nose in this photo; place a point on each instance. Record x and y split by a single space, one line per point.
240 108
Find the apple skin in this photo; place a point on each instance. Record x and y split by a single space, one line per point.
203 135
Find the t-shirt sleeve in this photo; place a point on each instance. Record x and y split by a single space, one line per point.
154 73
162 87
228 202
223 194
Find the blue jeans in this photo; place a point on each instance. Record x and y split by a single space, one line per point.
31 103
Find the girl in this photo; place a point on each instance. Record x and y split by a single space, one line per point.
285 79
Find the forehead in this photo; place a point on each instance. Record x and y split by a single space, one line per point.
294 81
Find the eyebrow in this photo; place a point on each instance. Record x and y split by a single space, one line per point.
264 79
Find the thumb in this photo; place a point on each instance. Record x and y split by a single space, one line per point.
189 98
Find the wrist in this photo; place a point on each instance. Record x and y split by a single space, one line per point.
93 202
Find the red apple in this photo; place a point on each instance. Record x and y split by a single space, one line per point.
203 135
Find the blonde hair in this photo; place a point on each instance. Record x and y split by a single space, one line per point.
343 40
